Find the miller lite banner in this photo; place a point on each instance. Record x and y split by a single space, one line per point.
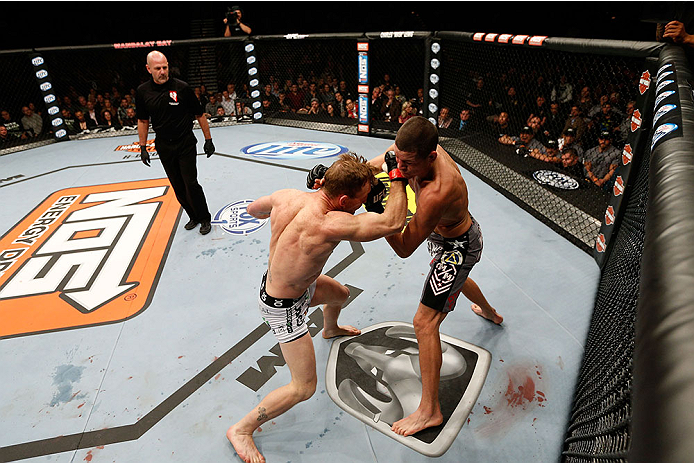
363 103
636 144
48 93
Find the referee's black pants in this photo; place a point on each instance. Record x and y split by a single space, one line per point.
178 158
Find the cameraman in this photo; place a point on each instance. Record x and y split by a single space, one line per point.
234 26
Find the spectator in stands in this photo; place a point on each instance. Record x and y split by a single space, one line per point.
228 103
294 99
282 104
233 24
398 95
201 98
69 120
130 119
539 110
601 161
81 104
276 89
595 109
67 103
131 103
13 127
326 96
122 111
311 94
99 103
568 141
571 164
315 108
266 95
562 92
340 104
524 143
585 101
551 154
538 133
576 122
219 117
616 102
331 112
351 110
445 118
500 124
606 120
419 102
407 112
109 121
83 123
464 124
243 93
542 87
622 132
390 108
478 99
31 122
242 110
211 107
346 93
554 123
6 137
91 113
376 103
386 84
512 105
108 106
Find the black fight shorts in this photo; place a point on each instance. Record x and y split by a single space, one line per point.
453 258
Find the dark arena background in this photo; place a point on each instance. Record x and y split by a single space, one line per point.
591 67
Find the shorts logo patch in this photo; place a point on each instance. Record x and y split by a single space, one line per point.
75 260
452 257
235 219
442 278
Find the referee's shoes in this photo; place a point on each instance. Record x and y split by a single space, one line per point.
205 227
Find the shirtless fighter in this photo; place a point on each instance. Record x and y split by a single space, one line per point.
305 229
455 243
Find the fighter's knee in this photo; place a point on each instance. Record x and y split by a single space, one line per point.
305 390
344 293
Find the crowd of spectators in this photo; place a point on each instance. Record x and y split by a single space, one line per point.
550 119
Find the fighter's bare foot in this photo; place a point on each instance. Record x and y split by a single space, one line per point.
244 446
492 317
340 330
416 422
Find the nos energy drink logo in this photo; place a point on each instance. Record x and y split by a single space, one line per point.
86 256
294 150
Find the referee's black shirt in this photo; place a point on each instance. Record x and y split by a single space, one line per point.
171 107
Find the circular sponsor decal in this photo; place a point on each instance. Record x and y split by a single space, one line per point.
235 219
555 179
663 110
294 150
661 131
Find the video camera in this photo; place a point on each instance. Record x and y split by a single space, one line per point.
232 14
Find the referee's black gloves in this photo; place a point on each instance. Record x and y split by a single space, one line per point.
144 155
209 147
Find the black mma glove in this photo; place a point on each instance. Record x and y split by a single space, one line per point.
392 166
209 147
374 201
144 155
316 173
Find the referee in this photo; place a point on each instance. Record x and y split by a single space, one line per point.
171 104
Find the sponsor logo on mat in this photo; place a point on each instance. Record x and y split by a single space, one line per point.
235 219
76 259
375 378
294 150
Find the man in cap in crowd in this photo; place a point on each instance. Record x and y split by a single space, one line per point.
601 161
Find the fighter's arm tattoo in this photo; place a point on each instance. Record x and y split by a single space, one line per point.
261 414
